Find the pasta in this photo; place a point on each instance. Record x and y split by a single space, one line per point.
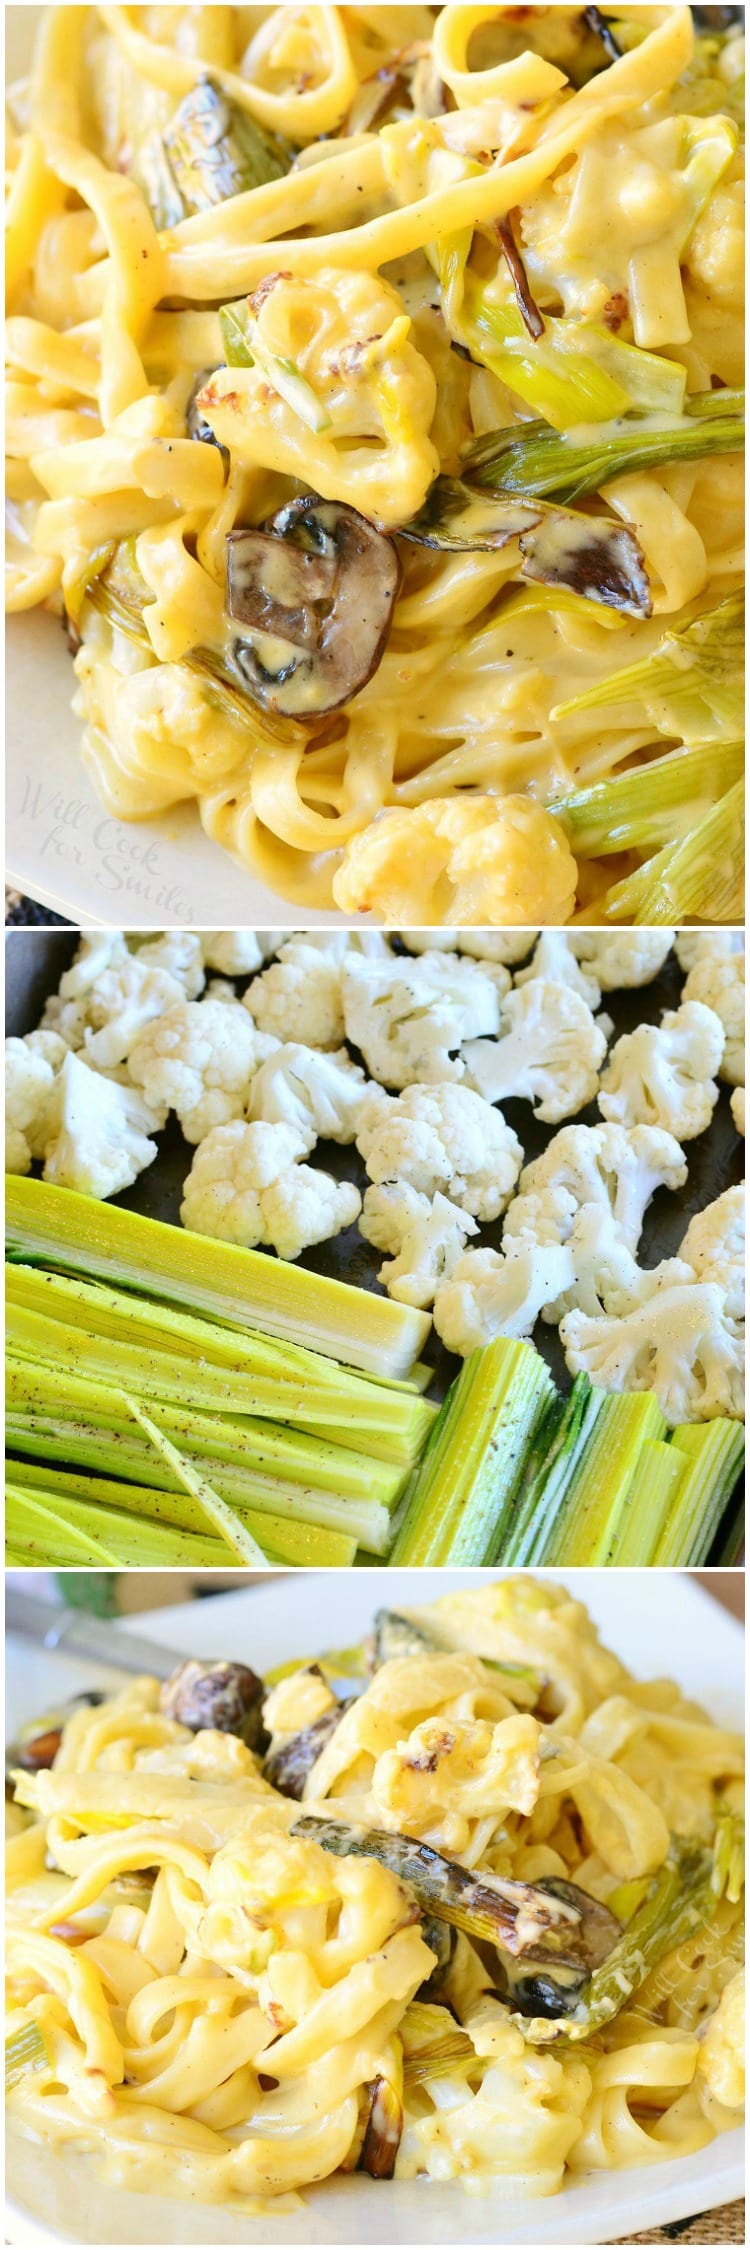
351 249
242 1976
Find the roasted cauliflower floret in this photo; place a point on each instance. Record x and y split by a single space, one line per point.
355 422
720 984
721 2059
199 1059
478 859
410 1018
247 1184
548 1052
446 1138
663 1074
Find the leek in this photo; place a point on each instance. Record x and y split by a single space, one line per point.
470 1472
148 1511
698 879
241 1288
217 1514
711 1456
25 2051
729 1854
575 373
592 1509
651 804
244 347
678 1901
550 1482
215 150
52 1529
653 1496
691 685
538 462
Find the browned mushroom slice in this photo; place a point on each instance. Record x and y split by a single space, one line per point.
223 1695
313 591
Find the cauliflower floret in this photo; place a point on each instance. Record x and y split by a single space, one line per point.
238 953
409 1017
548 1052
320 1094
714 1246
31 1067
617 1166
106 997
557 956
299 998
66 1011
427 1237
247 1185
721 2056
692 946
621 959
181 953
199 1058
219 988
506 946
720 984
737 1106
336 944
486 860
500 1293
98 1132
677 1340
663 1074
444 1137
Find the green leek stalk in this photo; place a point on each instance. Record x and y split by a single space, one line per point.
149 1510
653 1499
593 1508
545 464
241 1288
551 1474
25 2051
217 1514
690 685
698 879
650 805
470 1471
52 1530
575 373
678 1901
711 1455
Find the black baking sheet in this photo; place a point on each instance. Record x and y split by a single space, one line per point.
35 960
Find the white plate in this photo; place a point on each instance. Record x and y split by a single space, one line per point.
658 1622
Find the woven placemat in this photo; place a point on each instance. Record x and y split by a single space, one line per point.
717 2228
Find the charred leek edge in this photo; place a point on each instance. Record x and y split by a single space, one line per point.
25 2051
217 1514
540 463
242 1288
216 150
593 1506
678 1901
711 1456
651 805
699 879
694 676
268 1375
470 1471
512 1916
244 347
150 1524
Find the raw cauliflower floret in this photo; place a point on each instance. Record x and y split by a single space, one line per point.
66 1011
663 1074
737 1106
199 1058
677 1341
617 1166
247 1184
714 1246
106 999
410 1018
692 946
299 998
98 1132
505 946
336 944
320 1094
447 1138
488 861
721 2056
426 1235
720 984
548 1052
238 953
31 1067
557 955
500 1293
181 953
621 959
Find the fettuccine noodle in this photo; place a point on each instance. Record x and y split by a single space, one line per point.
221 1997
446 233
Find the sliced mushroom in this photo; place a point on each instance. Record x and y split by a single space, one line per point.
223 1695
313 591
